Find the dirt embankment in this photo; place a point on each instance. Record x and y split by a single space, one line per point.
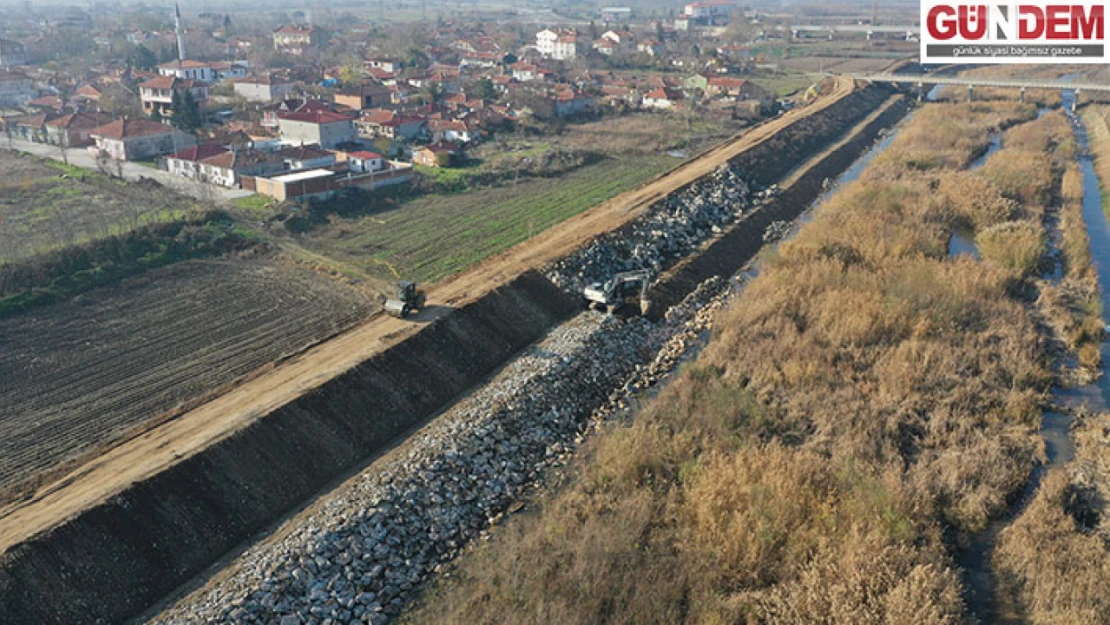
125 553
132 544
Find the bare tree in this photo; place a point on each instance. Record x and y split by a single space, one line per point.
102 162
63 149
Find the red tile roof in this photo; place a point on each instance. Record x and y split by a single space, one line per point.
199 152
315 117
80 120
365 155
126 128
172 82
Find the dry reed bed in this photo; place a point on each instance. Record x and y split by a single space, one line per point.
863 398
1055 559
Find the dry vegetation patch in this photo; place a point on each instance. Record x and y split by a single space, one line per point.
864 396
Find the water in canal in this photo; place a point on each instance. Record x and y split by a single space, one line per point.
1055 426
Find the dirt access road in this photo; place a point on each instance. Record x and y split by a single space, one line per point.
151 452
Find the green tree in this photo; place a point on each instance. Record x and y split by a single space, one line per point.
350 74
186 112
156 116
416 58
143 58
434 92
167 54
486 90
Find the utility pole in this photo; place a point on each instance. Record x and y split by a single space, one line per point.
874 12
424 10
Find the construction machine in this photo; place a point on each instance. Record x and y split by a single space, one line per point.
409 298
619 291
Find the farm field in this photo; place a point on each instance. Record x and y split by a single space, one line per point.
45 205
77 375
435 236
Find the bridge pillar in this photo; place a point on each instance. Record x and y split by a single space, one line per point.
970 93
1075 100
920 91
1021 96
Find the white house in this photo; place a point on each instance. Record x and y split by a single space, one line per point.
188 70
560 44
325 128
707 10
264 88
662 99
363 162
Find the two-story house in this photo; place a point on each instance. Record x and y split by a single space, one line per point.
325 128
296 40
156 94
188 70
560 44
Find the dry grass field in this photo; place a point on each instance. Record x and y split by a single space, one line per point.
45 205
77 375
864 401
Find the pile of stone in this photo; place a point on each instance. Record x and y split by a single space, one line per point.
360 554
668 231
777 230
358 557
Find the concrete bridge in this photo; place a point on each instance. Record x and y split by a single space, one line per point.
921 80
909 32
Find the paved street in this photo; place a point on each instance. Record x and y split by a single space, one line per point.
82 157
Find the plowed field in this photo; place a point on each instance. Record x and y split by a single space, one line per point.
78 375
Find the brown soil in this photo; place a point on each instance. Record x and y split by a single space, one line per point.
155 450
80 374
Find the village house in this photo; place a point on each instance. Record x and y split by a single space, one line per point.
186 162
452 131
739 89
386 65
364 96
156 94
129 139
662 98
51 103
325 128
270 113
28 127
391 125
188 70
709 11
650 47
228 167
569 102
439 154
263 88
296 40
560 44
605 46
74 130
297 158
622 38
12 53
362 162
16 88
316 184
